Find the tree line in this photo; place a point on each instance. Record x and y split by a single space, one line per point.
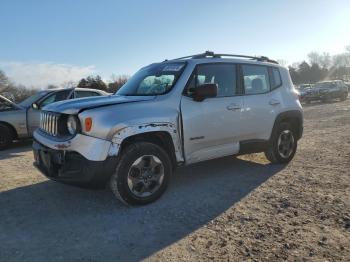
318 67
96 82
13 91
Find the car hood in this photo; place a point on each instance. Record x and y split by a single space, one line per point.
4 100
77 105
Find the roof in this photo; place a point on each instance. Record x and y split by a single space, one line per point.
91 89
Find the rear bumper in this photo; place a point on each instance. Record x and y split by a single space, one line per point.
71 167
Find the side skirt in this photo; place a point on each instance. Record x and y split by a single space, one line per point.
252 146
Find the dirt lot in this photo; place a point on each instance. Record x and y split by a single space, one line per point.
228 209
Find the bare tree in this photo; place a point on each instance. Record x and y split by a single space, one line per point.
324 60
117 82
4 82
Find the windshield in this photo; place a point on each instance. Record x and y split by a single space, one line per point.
156 79
32 99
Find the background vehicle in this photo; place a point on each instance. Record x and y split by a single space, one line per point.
20 120
304 90
326 91
177 112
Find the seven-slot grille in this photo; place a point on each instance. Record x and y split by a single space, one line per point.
49 123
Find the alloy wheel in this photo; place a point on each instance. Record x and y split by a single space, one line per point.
285 143
145 176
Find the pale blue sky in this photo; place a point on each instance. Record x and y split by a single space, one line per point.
66 38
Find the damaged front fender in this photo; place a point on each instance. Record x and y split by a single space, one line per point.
121 134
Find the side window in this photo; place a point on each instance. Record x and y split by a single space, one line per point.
224 75
55 97
276 80
256 79
81 94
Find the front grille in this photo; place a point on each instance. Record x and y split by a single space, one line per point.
49 123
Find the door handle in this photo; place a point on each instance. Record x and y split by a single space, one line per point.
274 102
233 107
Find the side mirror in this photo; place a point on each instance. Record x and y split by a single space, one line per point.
205 91
35 106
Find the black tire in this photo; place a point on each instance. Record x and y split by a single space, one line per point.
273 153
119 180
6 137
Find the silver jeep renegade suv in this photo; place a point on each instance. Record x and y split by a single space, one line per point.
172 113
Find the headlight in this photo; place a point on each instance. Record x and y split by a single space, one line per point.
72 125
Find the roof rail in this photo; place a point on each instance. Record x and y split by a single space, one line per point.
213 55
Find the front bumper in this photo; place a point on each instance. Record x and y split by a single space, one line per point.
71 167
92 148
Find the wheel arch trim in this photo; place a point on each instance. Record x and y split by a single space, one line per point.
288 115
11 127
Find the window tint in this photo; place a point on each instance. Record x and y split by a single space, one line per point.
224 75
55 97
276 80
81 94
256 79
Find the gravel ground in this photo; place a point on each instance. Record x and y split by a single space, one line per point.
230 209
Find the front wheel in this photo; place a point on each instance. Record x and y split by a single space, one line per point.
283 145
142 174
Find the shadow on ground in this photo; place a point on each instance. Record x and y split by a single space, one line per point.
16 149
54 222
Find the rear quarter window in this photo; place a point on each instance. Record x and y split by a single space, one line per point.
275 78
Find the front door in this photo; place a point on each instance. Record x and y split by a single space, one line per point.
211 128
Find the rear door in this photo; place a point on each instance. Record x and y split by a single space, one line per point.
211 128
262 100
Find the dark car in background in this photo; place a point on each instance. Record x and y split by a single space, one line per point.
304 90
326 91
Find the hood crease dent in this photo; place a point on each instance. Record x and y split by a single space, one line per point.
78 105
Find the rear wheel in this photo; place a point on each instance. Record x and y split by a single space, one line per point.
142 174
5 137
283 144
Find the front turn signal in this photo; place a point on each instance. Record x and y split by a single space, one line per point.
88 124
